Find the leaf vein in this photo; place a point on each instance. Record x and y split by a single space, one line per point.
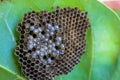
8 27
92 57
35 4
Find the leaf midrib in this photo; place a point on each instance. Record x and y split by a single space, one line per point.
6 23
11 72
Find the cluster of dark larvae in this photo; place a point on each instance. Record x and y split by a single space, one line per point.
51 43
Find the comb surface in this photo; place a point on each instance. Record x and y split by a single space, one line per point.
51 43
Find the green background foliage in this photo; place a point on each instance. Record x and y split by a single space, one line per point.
117 11
101 60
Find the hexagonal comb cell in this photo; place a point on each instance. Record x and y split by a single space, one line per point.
51 43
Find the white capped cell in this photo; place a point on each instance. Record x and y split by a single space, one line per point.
30 46
30 37
57 43
36 30
42 36
47 35
27 25
38 38
50 46
39 29
49 60
45 44
30 42
38 42
57 52
51 33
39 34
56 27
42 45
35 39
50 41
52 29
34 55
42 54
62 46
49 51
53 49
34 44
32 27
47 66
44 19
59 39
37 51
45 53
44 62
47 30
53 44
42 49
49 25
38 47
62 52
45 47
46 39
27 55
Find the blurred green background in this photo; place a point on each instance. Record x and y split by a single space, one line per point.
101 60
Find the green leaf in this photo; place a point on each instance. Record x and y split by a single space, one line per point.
102 58
117 11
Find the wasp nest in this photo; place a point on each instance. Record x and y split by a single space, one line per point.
51 43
